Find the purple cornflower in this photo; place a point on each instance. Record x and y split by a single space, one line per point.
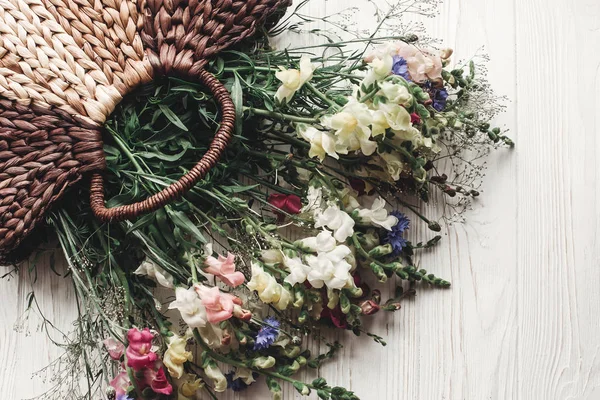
440 98
267 334
400 68
394 237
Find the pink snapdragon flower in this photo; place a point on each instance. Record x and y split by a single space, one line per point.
120 383
139 354
219 306
114 348
224 269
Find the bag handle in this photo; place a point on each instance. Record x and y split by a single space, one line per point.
187 181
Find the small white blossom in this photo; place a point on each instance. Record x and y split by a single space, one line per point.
190 306
380 68
152 270
378 215
337 220
321 143
298 270
393 164
293 79
352 128
330 268
393 116
396 93
324 241
314 200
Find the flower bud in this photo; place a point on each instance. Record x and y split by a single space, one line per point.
301 360
446 53
369 307
434 226
271 256
379 272
241 313
344 304
369 240
298 299
263 362
381 251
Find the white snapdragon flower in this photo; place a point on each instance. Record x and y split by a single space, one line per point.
190 306
393 164
351 126
155 272
324 241
329 268
293 79
272 256
380 68
268 289
337 220
389 115
396 93
321 143
314 200
298 270
377 215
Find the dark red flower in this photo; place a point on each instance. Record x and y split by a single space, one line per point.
336 316
415 119
289 203
358 185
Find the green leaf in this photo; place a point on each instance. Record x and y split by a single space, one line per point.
172 117
238 189
181 220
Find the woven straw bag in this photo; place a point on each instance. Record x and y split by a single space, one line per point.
66 64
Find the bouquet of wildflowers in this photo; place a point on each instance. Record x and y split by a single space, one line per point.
288 235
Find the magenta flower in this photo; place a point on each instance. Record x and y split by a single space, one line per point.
139 354
157 380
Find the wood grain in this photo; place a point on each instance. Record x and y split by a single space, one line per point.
522 318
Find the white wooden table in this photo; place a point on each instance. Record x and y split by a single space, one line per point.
522 318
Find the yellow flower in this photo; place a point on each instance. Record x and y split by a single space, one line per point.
321 143
213 372
176 355
189 387
268 289
293 79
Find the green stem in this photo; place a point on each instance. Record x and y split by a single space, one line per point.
278 115
322 96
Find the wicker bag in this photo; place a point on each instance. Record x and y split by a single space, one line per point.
66 64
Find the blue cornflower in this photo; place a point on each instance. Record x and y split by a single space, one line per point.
400 68
394 237
440 98
267 334
237 385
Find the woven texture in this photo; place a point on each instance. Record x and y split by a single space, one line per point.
66 64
